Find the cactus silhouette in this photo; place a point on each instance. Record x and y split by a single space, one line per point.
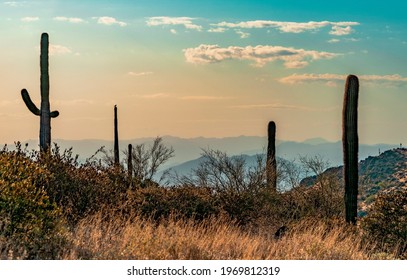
350 146
271 165
44 113
130 163
116 139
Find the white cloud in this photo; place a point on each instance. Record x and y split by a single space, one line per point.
138 74
185 21
217 30
340 31
13 3
242 34
110 21
331 79
173 31
30 19
338 28
301 78
69 19
58 50
334 41
293 58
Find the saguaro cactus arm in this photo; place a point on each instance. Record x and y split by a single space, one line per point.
28 102
32 107
54 114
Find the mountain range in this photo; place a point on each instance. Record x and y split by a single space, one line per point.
187 150
382 167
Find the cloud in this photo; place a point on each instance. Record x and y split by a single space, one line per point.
69 19
340 31
337 28
242 34
173 31
334 41
30 19
332 79
138 74
14 3
217 30
74 102
275 106
110 21
153 96
185 21
204 97
58 50
7 103
257 106
293 58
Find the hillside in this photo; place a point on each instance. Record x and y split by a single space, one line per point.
376 174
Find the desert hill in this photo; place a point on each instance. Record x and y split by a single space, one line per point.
381 173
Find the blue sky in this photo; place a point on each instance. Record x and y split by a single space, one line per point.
206 68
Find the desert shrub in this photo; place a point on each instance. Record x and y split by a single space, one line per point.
31 226
146 161
159 202
81 189
386 222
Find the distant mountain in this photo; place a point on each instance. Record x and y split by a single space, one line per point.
330 151
186 168
191 148
316 141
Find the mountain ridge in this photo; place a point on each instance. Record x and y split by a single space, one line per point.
187 149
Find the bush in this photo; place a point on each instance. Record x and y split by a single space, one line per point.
30 224
159 202
386 222
81 189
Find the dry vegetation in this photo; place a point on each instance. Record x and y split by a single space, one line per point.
212 238
52 207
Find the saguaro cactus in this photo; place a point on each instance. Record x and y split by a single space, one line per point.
130 163
350 146
116 139
44 112
271 165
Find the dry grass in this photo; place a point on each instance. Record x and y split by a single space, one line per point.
214 238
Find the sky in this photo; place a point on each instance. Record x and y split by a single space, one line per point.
205 68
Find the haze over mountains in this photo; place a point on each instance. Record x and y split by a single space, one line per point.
191 149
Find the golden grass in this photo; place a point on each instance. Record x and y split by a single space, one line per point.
215 238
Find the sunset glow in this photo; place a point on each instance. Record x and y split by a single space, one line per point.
205 68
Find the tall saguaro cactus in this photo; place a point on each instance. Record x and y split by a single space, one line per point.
271 165
130 163
350 146
116 139
44 113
